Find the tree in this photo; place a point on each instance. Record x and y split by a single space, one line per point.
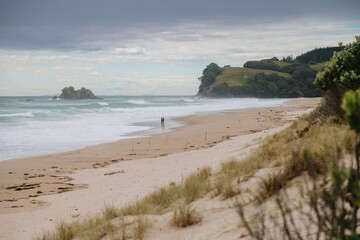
209 75
318 55
340 75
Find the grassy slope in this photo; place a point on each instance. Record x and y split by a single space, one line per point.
319 66
235 76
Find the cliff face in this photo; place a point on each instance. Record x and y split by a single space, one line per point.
69 93
204 92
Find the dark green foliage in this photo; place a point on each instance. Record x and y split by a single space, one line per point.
351 105
336 208
209 75
262 64
343 70
300 84
287 59
318 55
340 75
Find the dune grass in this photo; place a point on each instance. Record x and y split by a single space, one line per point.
163 199
184 216
317 152
303 147
294 150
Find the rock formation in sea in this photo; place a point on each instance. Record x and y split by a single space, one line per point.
69 93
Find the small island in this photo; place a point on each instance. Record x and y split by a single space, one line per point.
69 93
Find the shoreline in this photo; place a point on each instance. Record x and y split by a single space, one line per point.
149 127
35 185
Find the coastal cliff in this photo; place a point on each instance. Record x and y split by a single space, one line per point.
268 78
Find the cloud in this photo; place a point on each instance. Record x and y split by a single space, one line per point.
69 80
51 25
131 50
158 45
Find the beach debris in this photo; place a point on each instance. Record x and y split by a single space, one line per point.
24 186
301 133
64 189
36 176
15 206
225 138
98 165
10 200
39 203
113 173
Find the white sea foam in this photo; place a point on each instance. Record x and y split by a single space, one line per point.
22 114
43 126
103 103
137 101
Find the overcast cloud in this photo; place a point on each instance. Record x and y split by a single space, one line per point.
123 47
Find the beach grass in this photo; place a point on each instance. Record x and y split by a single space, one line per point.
139 228
317 152
163 199
270 185
303 147
184 215
110 212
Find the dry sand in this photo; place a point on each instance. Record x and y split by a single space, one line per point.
36 192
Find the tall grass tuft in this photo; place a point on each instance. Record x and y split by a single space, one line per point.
139 227
63 231
196 185
184 216
110 212
271 185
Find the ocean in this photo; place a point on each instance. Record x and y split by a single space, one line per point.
41 125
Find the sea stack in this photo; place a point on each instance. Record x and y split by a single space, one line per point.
69 93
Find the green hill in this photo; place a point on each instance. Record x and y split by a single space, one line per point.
237 76
269 78
318 55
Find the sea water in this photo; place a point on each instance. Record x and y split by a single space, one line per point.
32 126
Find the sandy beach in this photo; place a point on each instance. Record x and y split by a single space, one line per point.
36 192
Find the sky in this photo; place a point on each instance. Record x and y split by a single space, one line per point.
157 47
